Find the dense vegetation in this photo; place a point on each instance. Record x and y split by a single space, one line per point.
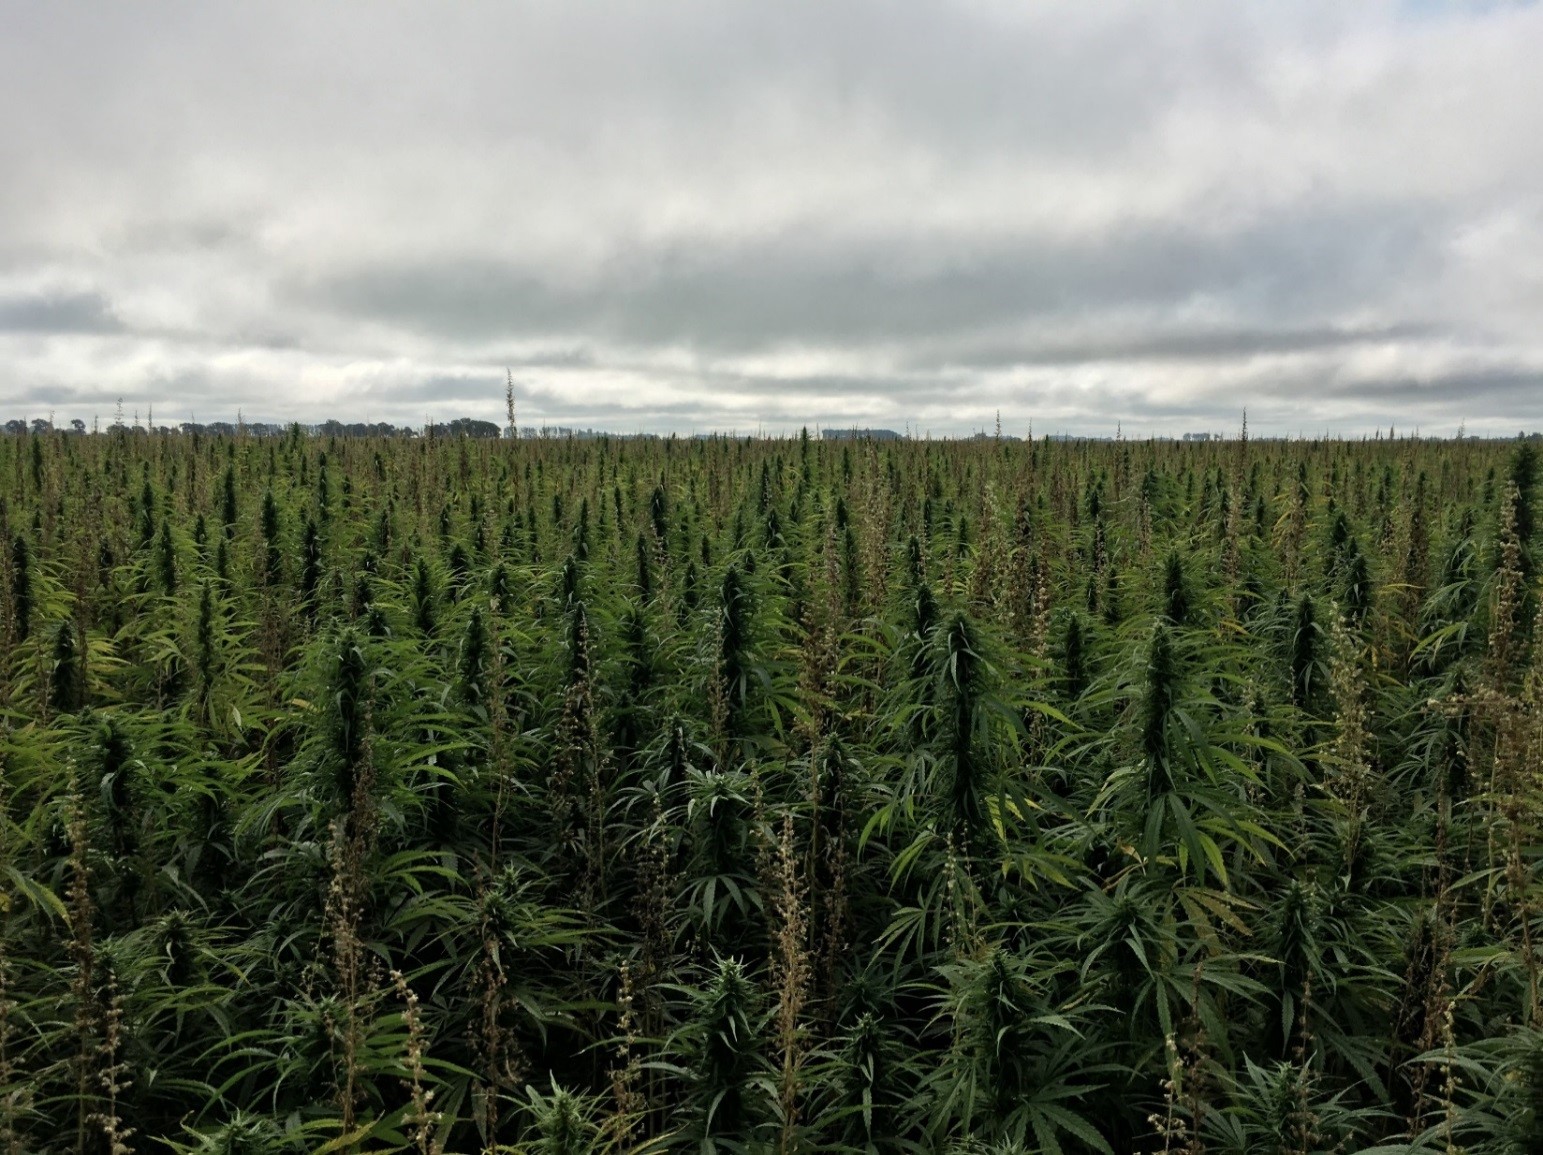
744 795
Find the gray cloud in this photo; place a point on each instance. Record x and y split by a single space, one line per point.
696 215
57 313
1217 344
1460 391
794 289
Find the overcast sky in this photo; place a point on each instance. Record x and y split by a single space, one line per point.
770 214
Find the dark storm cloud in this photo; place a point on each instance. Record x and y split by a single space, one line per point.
736 214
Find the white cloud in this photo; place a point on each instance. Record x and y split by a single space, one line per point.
695 215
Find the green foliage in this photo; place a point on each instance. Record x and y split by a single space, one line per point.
749 795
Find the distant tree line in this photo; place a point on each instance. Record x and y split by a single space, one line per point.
472 427
460 427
